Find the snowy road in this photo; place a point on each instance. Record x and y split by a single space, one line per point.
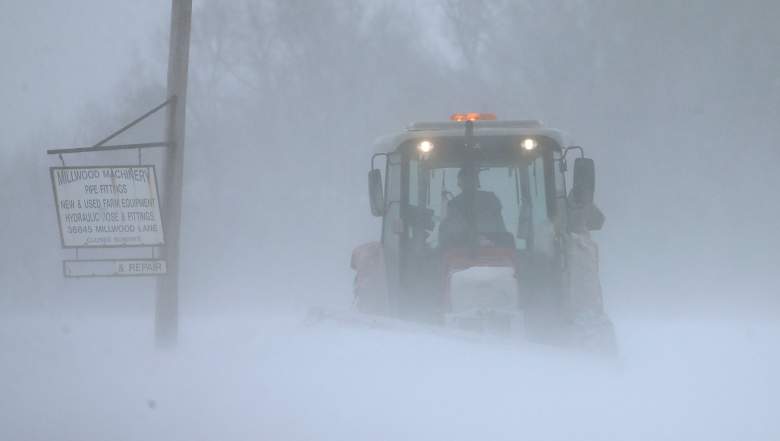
272 378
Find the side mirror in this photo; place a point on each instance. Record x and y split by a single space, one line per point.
584 181
375 193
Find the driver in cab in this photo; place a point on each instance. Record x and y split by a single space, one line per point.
487 211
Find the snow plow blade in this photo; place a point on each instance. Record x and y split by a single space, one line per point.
375 322
592 337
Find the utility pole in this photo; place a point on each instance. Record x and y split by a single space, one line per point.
167 308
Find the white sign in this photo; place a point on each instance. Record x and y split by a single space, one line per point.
114 267
115 206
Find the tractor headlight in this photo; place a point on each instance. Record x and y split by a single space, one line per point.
425 146
529 144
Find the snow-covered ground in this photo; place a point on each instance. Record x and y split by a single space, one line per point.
274 378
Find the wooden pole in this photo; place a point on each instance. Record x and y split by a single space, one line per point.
167 308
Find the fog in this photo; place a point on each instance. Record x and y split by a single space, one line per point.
677 103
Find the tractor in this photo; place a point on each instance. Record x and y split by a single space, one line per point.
481 232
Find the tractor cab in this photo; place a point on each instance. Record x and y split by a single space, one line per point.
474 212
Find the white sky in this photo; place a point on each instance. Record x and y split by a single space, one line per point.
58 56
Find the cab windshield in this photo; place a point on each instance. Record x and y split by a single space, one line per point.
510 202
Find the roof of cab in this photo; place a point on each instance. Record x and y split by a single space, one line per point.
427 130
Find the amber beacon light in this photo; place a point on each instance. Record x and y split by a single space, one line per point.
473 116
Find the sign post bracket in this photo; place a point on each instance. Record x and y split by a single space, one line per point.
100 145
